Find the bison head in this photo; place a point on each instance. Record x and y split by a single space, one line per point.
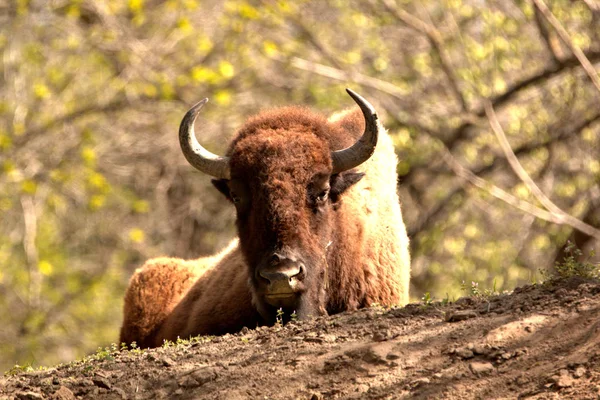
285 181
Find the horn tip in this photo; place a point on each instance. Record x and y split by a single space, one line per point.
362 103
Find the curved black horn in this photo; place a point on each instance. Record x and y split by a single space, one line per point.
363 149
200 158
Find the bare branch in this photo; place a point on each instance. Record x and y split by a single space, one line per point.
436 211
551 45
514 163
435 39
564 35
31 253
340 75
495 191
317 43
559 216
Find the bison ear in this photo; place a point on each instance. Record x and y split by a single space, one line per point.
341 182
222 186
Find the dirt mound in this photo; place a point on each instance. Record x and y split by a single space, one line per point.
539 342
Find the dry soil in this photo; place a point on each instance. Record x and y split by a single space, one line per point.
539 342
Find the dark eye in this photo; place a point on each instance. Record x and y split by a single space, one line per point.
234 197
322 197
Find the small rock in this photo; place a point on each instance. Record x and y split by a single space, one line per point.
329 338
63 393
222 365
563 379
29 396
362 388
392 356
120 392
464 353
420 382
46 381
167 362
579 372
314 339
316 396
102 382
481 368
460 315
188 382
86 382
379 336
480 349
204 375
522 380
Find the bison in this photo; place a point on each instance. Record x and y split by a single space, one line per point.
319 226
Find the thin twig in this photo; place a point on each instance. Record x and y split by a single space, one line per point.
340 75
31 252
514 163
564 35
495 191
560 216
435 212
552 46
435 39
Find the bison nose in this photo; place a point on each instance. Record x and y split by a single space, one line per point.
282 273
282 277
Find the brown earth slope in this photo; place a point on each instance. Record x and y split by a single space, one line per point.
540 342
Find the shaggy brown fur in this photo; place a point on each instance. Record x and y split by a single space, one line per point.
354 244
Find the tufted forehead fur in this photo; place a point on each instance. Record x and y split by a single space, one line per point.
277 154
305 124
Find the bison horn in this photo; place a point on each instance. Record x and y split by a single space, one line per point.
198 156
360 151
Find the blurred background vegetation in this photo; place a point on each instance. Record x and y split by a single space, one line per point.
92 181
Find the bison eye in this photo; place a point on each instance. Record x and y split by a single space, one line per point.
235 199
322 197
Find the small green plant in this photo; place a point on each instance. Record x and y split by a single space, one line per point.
294 316
427 299
571 266
446 300
17 369
135 349
475 291
106 353
279 317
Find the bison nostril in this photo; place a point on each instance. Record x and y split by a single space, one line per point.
301 272
265 275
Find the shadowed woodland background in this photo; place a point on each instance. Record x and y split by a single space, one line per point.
93 183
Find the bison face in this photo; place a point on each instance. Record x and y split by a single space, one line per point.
285 175
285 196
